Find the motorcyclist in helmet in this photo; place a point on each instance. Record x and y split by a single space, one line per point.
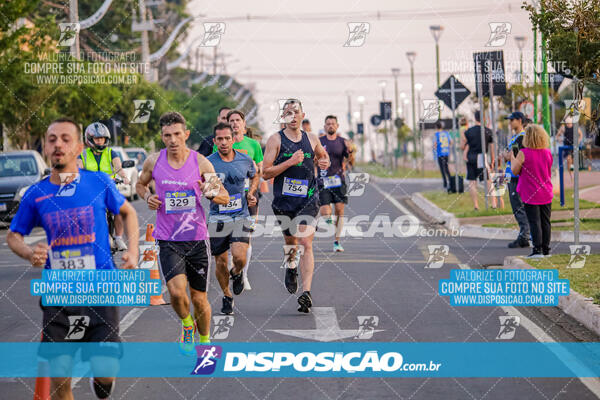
99 157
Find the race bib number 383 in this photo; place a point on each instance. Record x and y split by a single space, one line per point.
295 187
78 258
180 201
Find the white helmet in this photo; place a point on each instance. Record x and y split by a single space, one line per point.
97 130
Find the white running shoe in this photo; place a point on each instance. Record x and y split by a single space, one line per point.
247 283
120 243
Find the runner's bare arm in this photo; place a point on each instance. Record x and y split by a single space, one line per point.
320 152
271 151
130 257
207 171
350 159
144 180
259 169
36 256
252 196
254 181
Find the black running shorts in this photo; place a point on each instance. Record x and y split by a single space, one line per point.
186 257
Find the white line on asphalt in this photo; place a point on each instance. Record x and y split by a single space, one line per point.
593 384
392 200
124 324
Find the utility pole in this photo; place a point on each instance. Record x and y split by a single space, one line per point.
215 60
395 73
411 55
545 108
74 18
145 42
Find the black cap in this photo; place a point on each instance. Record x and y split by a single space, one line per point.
517 115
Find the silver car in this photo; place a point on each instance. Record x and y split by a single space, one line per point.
18 170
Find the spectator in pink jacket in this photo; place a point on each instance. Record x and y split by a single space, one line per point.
533 164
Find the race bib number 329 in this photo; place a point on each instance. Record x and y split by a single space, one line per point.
295 187
180 201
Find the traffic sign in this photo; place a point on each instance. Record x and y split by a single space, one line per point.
526 108
360 128
484 62
375 120
385 110
445 92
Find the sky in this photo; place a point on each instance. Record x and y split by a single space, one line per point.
296 49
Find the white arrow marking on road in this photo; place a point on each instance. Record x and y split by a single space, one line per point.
327 328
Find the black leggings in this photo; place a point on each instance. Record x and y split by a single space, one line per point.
443 163
538 216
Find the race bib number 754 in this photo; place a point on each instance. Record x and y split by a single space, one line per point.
295 187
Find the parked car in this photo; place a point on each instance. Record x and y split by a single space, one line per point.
138 154
132 173
18 170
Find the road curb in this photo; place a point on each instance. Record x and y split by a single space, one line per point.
476 231
378 179
576 305
439 215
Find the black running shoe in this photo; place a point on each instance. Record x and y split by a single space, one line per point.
227 308
305 301
100 390
291 280
238 282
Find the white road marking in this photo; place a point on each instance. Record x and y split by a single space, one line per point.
392 200
327 327
593 384
126 322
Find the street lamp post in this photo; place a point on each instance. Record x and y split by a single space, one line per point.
436 31
361 103
520 40
395 73
418 88
382 85
411 55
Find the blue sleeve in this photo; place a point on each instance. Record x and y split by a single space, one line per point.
27 217
114 199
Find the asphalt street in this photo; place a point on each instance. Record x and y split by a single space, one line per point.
378 276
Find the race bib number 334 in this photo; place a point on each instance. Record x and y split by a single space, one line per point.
295 187
235 204
180 201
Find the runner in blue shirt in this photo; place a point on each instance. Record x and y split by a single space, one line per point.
71 206
229 225
442 150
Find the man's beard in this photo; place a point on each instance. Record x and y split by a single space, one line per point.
59 166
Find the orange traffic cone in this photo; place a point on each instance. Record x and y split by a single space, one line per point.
42 382
149 261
